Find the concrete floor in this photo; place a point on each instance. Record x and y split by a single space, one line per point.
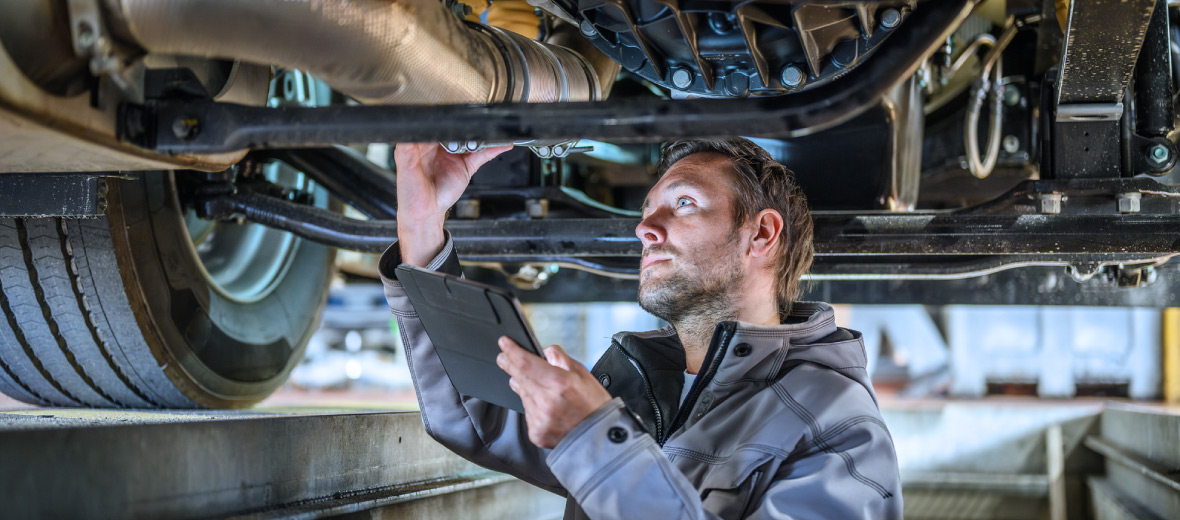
302 451
291 458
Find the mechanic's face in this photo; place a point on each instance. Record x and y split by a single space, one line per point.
692 253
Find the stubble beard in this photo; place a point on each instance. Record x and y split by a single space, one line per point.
694 302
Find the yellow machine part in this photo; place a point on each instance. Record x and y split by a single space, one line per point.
1062 7
1171 355
511 15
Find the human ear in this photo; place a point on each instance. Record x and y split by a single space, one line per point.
768 232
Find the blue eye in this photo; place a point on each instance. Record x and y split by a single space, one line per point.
683 201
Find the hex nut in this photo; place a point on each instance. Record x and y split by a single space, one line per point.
1050 203
537 208
86 37
467 209
186 127
587 28
1011 144
1129 202
792 76
1160 154
1012 95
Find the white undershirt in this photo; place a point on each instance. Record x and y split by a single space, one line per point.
688 380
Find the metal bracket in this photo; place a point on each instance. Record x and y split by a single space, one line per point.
543 148
1087 112
91 40
554 9
1153 156
1102 44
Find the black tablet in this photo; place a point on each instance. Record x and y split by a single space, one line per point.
464 320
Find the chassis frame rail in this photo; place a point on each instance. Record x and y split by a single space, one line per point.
1085 224
207 127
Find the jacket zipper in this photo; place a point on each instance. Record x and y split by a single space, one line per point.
651 395
717 348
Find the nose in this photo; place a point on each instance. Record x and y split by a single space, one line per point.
650 231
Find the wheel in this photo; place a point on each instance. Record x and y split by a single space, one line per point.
150 307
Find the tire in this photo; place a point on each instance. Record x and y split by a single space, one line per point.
120 311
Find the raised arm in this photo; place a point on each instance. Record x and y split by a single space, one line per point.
429 182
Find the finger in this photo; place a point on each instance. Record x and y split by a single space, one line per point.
477 159
558 358
506 364
406 155
526 366
518 362
511 348
526 394
568 362
526 397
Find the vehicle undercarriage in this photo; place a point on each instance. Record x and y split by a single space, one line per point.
179 172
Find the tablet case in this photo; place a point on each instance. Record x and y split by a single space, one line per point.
464 320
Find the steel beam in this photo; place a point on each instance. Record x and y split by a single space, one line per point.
1088 218
225 127
113 464
52 195
1139 446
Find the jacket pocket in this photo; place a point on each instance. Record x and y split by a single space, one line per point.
733 502
733 488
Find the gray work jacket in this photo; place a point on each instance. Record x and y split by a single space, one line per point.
782 422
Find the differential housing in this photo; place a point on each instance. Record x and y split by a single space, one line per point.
738 48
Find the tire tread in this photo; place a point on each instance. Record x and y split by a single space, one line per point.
111 314
23 361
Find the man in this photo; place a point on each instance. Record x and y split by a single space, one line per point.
749 405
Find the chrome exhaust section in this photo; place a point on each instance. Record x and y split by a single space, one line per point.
378 51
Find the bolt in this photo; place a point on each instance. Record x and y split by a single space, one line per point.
186 127
1129 202
846 53
737 84
1050 203
473 146
453 146
537 208
890 18
467 209
1012 95
723 23
682 78
1160 154
588 29
1011 144
792 77
85 35
543 152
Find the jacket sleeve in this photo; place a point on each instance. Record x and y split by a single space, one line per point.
615 469
486 434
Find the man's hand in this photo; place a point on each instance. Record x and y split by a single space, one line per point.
558 392
429 182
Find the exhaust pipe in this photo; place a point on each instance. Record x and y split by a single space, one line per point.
404 52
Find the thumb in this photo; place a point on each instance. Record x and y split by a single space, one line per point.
557 357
